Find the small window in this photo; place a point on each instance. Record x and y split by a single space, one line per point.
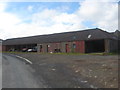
40 46
89 36
74 45
74 37
48 45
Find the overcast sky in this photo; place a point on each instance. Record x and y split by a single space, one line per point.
21 19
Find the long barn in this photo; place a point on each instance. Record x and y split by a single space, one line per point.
85 41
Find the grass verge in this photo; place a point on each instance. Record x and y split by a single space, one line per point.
103 53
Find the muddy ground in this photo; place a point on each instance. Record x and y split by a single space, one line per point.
75 71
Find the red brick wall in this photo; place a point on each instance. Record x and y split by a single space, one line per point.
55 46
80 46
3 48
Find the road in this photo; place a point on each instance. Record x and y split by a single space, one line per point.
18 74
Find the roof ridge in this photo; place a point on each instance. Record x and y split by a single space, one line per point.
64 36
56 33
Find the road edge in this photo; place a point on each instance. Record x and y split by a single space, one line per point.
24 59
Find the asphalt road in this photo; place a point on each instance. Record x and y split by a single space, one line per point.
18 74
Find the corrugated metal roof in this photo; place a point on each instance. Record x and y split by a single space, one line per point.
62 37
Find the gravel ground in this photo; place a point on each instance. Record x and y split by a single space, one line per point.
75 71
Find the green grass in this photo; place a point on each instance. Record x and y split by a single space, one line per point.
103 53
86 53
68 53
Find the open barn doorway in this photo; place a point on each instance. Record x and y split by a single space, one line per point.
94 46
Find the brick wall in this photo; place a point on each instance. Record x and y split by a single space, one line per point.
65 47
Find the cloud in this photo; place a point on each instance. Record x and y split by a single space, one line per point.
8 22
2 7
30 8
103 14
46 21
44 17
53 17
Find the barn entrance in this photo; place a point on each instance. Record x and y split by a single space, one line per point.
66 48
94 46
40 48
20 47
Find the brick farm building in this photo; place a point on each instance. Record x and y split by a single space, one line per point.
85 41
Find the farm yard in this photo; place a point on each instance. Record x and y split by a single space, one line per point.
75 71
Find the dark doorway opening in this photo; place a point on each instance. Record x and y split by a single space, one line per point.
48 48
40 48
57 50
94 46
66 48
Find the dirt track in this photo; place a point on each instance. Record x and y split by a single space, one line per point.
75 70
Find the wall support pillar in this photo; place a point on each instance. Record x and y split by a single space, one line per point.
107 45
